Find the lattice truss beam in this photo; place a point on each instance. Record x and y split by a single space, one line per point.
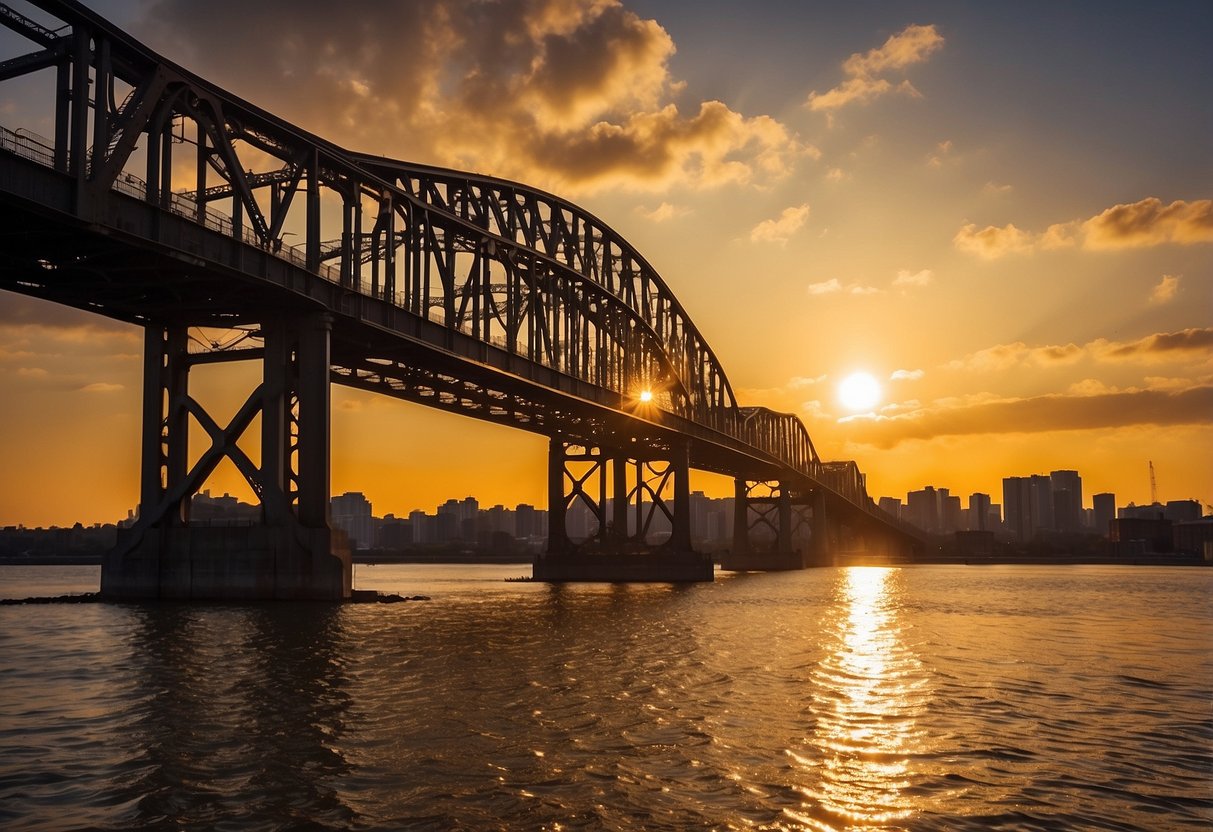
634 503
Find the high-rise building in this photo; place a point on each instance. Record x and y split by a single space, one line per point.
979 512
351 513
949 512
1105 512
525 522
922 509
1041 490
1067 500
890 505
1018 508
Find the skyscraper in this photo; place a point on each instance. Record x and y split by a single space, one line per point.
1105 512
979 512
1067 500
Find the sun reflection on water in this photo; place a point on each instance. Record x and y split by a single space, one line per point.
870 691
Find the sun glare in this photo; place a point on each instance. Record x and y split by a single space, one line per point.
646 395
859 392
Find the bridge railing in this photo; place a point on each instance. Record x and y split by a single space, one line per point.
28 145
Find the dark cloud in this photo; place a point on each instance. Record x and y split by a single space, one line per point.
565 95
1160 345
1114 409
1193 343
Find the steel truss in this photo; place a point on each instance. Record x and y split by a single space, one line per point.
646 482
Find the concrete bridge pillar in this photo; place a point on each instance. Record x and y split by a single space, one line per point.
290 551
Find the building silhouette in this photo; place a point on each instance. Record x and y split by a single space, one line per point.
1104 512
1067 500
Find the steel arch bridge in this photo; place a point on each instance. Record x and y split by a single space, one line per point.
167 202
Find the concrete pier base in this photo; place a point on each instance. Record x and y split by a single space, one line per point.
648 567
229 563
764 561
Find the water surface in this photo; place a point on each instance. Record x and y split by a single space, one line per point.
944 697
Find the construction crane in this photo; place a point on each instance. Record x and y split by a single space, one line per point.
1153 486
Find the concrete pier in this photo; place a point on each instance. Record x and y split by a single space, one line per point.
646 567
232 563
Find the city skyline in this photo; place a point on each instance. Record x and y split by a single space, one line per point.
1040 290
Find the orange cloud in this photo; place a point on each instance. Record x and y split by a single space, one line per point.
663 212
906 278
1140 224
781 229
992 242
1166 290
912 45
1161 346
1150 223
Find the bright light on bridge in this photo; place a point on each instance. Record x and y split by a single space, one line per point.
646 396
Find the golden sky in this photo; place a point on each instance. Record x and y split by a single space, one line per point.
1002 213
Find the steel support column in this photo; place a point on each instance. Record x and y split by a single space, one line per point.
764 505
616 551
822 531
290 552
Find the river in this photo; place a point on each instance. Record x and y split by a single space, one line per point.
927 697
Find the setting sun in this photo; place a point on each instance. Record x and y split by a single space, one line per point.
859 392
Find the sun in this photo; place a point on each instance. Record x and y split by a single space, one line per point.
859 392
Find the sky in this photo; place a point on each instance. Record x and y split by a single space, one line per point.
1001 212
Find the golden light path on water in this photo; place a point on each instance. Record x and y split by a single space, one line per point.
871 691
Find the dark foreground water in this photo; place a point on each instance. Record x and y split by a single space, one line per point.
920 698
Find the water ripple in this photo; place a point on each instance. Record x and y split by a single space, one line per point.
935 698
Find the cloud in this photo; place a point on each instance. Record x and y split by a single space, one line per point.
1086 406
663 212
863 83
995 189
834 285
568 96
1161 346
1002 356
905 278
1184 345
942 151
1150 223
906 375
781 229
1166 290
31 372
102 387
1140 224
992 241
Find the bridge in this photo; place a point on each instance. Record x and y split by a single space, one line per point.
229 234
